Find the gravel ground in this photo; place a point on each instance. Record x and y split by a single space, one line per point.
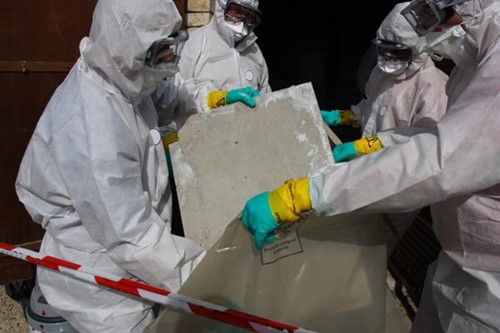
11 315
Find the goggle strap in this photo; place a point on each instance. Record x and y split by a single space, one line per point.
441 4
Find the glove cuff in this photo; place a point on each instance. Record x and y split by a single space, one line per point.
169 138
216 99
348 117
368 145
300 192
290 199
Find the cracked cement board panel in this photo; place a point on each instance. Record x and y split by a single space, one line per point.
234 152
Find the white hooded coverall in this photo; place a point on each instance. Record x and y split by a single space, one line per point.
456 168
210 59
414 99
96 179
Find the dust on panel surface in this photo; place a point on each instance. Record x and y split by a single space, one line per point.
223 157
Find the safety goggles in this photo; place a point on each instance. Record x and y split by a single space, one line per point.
392 51
166 50
237 13
426 15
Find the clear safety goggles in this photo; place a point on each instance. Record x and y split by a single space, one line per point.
237 13
166 50
392 51
426 15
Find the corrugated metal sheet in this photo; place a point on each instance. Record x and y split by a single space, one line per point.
408 263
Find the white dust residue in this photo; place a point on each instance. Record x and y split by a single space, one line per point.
220 111
318 155
325 147
272 97
302 137
313 151
185 177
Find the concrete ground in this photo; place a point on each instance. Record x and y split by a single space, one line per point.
12 319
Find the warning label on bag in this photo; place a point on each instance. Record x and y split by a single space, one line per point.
286 243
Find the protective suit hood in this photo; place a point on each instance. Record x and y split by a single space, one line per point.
449 42
220 26
472 8
121 33
482 29
395 28
249 3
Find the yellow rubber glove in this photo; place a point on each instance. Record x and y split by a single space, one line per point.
335 118
216 99
349 150
245 95
263 212
367 145
348 117
290 199
169 138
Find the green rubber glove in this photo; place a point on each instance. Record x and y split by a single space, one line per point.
331 118
347 151
340 117
258 219
263 212
168 138
245 95
217 98
169 162
344 152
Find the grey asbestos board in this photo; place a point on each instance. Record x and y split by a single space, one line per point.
234 152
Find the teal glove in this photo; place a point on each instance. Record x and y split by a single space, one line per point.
169 163
347 151
331 118
344 152
245 95
168 138
258 219
263 212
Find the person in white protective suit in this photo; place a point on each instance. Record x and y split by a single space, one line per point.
453 168
223 55
94 174
405 89
221 62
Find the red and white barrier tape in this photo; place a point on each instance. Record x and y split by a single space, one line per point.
187 304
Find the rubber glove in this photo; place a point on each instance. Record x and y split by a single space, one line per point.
349 150
263 213
168 138
339 117
246 95
331 118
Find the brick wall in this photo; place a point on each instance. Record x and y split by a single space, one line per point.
199 12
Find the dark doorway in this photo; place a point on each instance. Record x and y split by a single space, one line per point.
311 43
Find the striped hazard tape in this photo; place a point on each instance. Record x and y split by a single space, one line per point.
161 296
